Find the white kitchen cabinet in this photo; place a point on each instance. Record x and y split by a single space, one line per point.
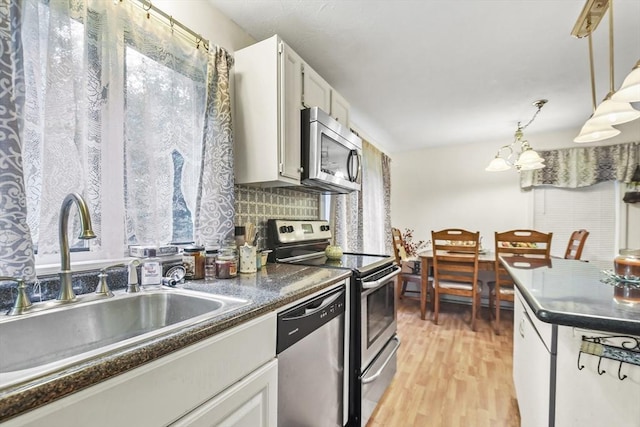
272 84
268 94
584 397
250 403
339 109
532 372
215 372
316 92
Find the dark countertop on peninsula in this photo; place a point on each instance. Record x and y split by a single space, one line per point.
570 293
272 287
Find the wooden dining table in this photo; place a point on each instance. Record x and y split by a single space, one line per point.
486 262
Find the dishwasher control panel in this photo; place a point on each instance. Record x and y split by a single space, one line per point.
308 316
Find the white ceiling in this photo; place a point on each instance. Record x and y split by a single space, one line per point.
424 73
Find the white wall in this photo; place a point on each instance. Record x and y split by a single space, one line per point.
201 17
445 187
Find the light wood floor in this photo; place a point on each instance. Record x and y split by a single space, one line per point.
448 375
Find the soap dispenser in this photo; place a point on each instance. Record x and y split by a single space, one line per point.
132 283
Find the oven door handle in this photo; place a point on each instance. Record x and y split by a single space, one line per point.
376 283
377 374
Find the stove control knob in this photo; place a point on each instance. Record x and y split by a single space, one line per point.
290 229
283 229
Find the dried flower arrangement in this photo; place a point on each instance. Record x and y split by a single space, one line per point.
411 248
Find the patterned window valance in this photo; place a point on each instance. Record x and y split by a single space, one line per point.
584 166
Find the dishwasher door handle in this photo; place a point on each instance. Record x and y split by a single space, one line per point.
314 309
377 374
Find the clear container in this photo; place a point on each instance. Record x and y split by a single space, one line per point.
193 262
211 254
227 261
628 263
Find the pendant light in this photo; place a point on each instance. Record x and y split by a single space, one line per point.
525 159
610 112
630 89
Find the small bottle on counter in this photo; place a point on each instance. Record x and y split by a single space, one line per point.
193 262
151 270
227 261
211 254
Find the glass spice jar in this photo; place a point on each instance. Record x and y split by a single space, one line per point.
627 266
628 263
193 261
227 261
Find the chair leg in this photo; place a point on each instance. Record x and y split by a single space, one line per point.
474 312
436 305
423 300
497 328
491 296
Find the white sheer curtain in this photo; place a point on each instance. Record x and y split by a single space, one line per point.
165 91
363 219
374 209
63 125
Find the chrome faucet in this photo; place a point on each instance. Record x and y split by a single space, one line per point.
66 291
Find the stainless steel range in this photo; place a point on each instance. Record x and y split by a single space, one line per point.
373 343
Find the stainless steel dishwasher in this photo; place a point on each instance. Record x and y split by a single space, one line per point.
311 362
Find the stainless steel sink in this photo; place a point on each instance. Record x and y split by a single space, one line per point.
51 339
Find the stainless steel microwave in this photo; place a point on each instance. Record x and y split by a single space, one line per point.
331 154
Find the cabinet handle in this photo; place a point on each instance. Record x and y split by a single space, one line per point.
521 328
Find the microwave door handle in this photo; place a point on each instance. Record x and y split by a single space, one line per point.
352 177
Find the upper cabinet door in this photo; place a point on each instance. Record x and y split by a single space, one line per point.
291 104
316 92
339 109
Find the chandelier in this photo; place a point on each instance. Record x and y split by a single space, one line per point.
616 107
519 153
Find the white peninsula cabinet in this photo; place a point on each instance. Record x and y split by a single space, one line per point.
229 380
272 84
561 379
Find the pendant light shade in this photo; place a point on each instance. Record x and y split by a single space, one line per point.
498 164
528 157
630 89
592 132
612 113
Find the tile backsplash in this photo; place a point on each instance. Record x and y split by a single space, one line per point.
256 205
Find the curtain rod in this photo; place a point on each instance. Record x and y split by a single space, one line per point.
147 6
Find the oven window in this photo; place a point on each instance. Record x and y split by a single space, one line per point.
380 311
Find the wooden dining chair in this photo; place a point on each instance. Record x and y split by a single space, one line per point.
404 277
576 244
514 243
455 268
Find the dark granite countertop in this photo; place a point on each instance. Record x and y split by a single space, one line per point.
272 287
570 293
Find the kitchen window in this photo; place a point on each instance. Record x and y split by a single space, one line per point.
125 111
